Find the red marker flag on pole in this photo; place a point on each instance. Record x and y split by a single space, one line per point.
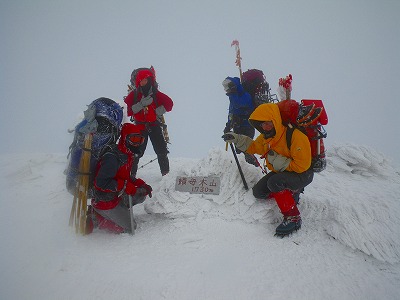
286 84
238 58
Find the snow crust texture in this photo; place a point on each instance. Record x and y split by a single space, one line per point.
193 246
355 200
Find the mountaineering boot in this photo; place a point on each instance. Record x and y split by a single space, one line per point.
289 224
292 220
310 117
305 111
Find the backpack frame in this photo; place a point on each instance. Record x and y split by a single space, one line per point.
255 83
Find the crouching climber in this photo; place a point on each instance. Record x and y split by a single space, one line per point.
290 168
115 181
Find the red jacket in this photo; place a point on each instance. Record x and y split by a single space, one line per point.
111 176
114 171
148 114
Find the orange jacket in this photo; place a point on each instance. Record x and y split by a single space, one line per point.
300 150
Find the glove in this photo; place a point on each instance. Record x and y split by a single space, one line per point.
148 189
137 107
130 188
142 104
146 101
279 162
242 142
229 86
160 110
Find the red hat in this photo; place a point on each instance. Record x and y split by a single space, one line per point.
142 74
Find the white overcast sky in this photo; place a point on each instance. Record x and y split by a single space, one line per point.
58 56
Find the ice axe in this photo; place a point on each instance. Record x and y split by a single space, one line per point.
227 136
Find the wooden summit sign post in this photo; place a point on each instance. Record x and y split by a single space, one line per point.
198 184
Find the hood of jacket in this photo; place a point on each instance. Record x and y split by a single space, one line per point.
267 112
142 74
126 129
236 81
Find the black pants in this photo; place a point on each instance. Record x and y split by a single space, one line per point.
159 145
276 182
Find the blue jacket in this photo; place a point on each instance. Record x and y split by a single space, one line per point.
240 105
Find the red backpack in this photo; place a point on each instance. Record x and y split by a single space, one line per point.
309 116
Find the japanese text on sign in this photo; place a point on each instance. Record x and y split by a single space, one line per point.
198 185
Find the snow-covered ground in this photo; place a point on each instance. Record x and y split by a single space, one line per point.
193 246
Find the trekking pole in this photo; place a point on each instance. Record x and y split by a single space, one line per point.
147 163
240 169
131 215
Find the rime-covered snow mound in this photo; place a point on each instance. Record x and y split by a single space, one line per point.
355 200
233 201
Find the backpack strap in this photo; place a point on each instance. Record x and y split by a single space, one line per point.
289 134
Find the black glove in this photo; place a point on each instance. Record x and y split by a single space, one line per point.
148 189
227 128
229 137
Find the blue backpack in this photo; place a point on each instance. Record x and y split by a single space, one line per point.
103 119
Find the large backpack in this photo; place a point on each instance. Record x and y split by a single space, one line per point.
255 83
103 119
309 116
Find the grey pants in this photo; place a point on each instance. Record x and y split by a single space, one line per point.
120 214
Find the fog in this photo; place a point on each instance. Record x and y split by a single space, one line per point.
58 56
